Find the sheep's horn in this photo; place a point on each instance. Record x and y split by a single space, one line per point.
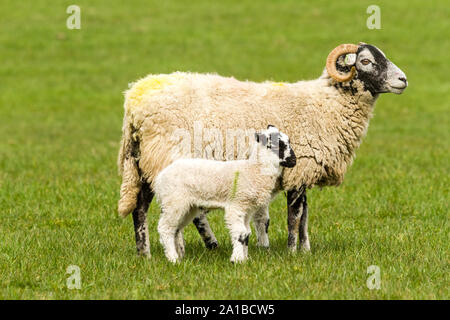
332 58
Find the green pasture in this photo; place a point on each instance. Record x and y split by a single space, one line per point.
61 108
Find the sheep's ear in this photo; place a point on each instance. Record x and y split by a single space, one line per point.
350 59
270 126
256 136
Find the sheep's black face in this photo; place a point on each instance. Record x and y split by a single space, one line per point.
378 74
279 144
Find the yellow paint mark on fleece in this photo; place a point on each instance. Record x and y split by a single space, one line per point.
147 85
235 181
278 84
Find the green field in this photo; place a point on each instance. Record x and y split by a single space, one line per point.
60 125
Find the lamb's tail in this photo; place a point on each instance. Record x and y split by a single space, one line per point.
128 169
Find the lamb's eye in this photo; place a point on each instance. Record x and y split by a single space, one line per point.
365 62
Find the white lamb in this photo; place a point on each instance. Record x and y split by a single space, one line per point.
240 187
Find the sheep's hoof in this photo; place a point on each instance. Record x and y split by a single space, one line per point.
263 245
144 254
305 246
212 245
292 250
305 249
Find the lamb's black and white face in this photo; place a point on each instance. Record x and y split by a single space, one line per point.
278 143
378 74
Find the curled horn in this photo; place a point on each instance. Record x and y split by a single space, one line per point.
332 58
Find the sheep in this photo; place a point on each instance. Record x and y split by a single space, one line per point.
326 119
240 187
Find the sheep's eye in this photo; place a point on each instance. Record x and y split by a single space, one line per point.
365 62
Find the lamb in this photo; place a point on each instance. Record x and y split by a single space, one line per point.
326 119
240 187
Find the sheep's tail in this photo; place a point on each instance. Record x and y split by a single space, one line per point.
128 169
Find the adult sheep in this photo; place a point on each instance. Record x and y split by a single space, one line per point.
325 119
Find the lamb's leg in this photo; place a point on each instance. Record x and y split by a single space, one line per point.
249 231
168 240
144 198
294 203
261 220
180 243
303 227
168 229
202 225
237 222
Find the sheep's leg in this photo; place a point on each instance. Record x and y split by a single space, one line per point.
202 225
261 220
238 224
144 198
303 227
295 200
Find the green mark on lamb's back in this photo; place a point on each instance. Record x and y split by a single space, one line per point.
235 181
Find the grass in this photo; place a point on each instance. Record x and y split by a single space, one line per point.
60 123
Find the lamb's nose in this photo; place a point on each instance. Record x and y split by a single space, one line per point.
402 79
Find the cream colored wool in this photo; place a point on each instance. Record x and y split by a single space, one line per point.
324 123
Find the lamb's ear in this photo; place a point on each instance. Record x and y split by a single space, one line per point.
270 126
261 138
